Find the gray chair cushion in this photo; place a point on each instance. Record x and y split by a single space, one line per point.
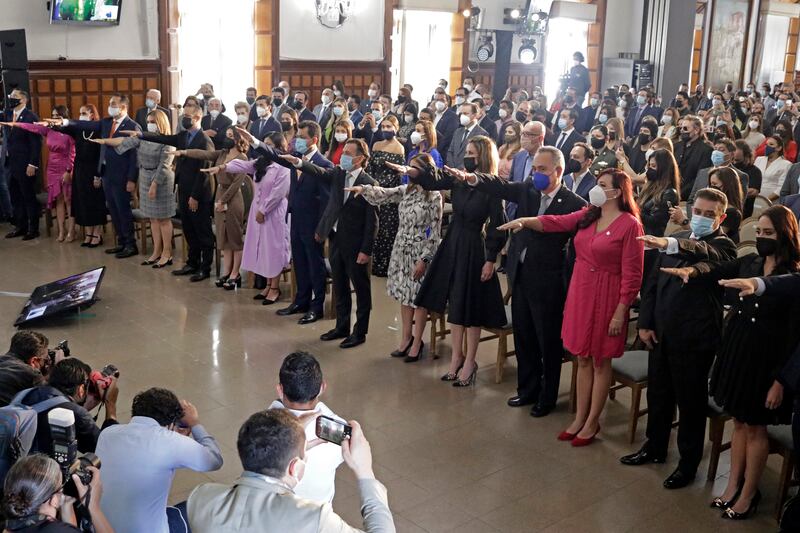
781 434
138 215
632 365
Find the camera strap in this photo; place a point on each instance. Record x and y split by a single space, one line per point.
101 405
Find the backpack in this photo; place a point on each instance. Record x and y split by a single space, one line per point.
790 516
18 425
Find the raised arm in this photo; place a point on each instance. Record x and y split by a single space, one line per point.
241 165
171 140
205 155
120 144
510 191
377 195
27 126
307 167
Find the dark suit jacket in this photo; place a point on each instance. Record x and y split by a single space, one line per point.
634 121
690 160
112 164
356 116
587 182
787 285
260 131
586 119
690 315
141 116
220 125
370 137
546 251
24 147
569 142
306 115
489 126
447 125
356 219
191 182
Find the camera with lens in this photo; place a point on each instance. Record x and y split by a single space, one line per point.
100 380
65 449
63 346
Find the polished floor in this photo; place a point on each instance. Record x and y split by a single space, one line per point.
452 459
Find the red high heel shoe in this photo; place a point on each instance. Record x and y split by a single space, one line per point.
566 435
579 442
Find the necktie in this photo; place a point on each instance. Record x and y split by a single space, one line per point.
544 203
113 128
464 138
561 140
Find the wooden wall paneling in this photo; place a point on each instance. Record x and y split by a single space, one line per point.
523 76
459 48
791 49
594 45
266 73
314 76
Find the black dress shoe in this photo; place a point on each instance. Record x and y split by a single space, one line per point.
199 276
678 479
538 410
308 318
291 310
128 251
185 270
31 236
642 457
115 250
333 334
353 340
519 401
14 234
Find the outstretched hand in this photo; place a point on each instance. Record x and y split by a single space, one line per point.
246 134
290 158
214 170
745 286
460 175
131 133
403 169
684 273
518 224
355 189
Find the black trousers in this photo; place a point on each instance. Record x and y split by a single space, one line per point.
199 234
678 377
537 308
308 257
344 271
22 189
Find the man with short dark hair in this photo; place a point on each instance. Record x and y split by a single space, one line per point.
681 325
140 459
577 177
264 123
568 135
354 107
579 77
369 128
485 121
300 104
272 447
251 94
468 117
24 364
299 389
642 109
280 103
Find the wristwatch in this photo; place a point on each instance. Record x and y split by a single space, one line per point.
426 260
685 222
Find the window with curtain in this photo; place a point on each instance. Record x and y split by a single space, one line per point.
771 48
423 42
216 46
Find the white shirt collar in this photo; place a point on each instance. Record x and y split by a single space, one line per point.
355 173
568 132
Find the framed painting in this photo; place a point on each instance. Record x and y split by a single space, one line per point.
727 42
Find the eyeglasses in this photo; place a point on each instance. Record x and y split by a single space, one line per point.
530 134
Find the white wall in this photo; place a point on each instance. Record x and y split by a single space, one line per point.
623 31
360 38
136 37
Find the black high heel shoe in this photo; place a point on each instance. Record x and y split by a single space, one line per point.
95 244
730 514
270 301
221 281
414 359
719 503
232 283
149 262
470 381
403 352
162 265
452 377
85 244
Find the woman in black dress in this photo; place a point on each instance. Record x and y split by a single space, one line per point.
660 193
88 200
461 276
743 160
761 334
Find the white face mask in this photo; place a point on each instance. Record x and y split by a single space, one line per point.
85 117
666 120
214 113
465 120
340 137
648 153
262 112
460 100
440 105
337 93
241 118
326 99
753 124
416 138
503 113
468 87
152 127
113 111
597 196
408 118
150 103
372 93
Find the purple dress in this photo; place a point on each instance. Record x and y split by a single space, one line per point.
60 159
266 246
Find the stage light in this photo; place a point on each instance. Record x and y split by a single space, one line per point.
527 52
535 17
515 13
485 49
466 12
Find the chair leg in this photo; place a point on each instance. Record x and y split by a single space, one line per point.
716 428
434 335
785 480
502 350
636 400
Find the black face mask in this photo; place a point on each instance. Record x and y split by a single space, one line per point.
250 100
388 134
401 99
652 174
644 138
228 143
686 137
597 143
277 102
12 102
186 123
679 103
470 164
521 117
569 100
573 166
297 105
765 246
286 125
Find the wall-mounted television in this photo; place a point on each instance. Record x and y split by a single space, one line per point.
85 12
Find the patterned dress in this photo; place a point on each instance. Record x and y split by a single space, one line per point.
387 214
155 165
418 235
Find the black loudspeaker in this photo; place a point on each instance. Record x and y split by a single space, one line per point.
15 79
13 50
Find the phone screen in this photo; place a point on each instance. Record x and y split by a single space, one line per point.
332 430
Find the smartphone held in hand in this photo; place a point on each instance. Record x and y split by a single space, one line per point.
332 430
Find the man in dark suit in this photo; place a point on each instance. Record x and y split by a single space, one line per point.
373 93
308 198
369 128
536 273
151 102
22 150
588 114
643 109
568 135
215 124
299 104
484 121
322 111
265 123
350 223
681 325
445 120
468 117
354 106
194 194
531 140
692 153
579 180
117 172
492 108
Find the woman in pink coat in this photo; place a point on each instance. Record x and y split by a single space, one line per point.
266 243
60 160
605 281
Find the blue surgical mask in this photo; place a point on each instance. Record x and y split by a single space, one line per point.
377 114
150 103
768 150
641 100
346 162
602 118
702 226
562 123
541 181
717 158
300 145
779 104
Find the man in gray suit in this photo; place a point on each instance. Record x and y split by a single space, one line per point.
790 183
322 111
272 447
468 116
722 156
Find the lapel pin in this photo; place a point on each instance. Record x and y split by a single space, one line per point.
559 200
608 233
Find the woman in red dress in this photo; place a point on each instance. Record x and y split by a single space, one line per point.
605 281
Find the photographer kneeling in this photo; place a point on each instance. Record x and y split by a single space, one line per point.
70 379
25 365
35 501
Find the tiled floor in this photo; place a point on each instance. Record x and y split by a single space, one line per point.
452 459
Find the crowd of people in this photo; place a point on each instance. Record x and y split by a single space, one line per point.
570 200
